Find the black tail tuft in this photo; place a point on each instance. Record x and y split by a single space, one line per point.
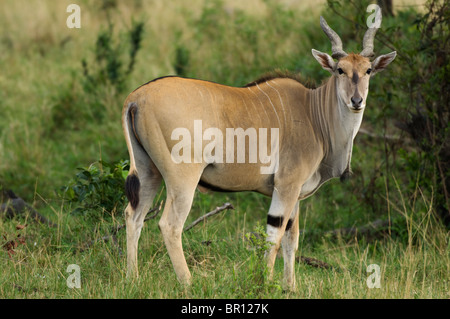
132 186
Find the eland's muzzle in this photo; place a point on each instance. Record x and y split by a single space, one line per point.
356 102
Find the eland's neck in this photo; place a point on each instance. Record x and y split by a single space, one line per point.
336 124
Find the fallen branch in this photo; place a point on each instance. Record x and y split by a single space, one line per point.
211 213
155 210
17 206
313 262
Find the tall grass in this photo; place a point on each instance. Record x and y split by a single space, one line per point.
224 263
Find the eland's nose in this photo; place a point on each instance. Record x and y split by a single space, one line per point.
356 102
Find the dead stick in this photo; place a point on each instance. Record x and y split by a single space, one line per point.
211 213
314 262
156 210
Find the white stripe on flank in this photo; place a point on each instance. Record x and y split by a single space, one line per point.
262 104
281 100
256 109
246 108
243 97
273 106
279 86
200 92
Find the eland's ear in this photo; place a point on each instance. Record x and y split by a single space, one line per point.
380 63
324 59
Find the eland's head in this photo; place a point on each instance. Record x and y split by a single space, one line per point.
352 71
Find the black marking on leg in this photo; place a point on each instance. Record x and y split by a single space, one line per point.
274 221
132 186
289 224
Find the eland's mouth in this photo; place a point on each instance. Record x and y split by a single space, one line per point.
356 109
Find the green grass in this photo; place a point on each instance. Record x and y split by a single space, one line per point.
413 267
54 120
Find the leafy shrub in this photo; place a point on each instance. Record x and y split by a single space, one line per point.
181 61
110 66
251 282
98 188
428 122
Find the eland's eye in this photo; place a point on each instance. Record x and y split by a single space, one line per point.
369 70
340 71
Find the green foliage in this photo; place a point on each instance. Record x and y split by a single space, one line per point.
423 44
225 37
181 61
109 65
98 189
252 282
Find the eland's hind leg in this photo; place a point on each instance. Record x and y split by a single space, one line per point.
141 187
180 194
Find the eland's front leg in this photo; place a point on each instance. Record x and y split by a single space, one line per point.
289 244
283 203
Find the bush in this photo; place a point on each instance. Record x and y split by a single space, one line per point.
252 282
98 189
109 66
